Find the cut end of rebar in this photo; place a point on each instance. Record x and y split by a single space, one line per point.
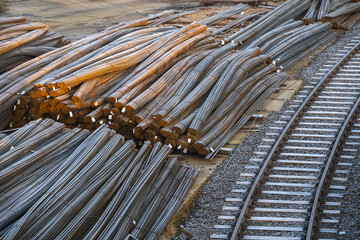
157 117
118 105
76 99
203 152
61 85
129 108
163 123
192 131
54 94
111 99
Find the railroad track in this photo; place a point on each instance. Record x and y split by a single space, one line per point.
293 186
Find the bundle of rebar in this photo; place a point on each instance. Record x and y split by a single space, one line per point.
101 63
58 183
213 2
287 45
253 100
21 41
346 22
164 109
335 4
343 10
343 14
239 21
286 11
239 8
323 8
187 93
163 84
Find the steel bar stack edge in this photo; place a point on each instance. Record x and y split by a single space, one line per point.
60 183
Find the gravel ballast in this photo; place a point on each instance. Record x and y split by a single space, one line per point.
350 211
210 200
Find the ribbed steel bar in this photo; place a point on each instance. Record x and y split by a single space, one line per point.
70 177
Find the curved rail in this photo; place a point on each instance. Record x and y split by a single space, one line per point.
325 174
281 139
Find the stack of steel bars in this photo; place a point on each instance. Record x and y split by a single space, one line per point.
238 21
58 183
213 2
103 62
342 14
181 107
291 9
292 41
163 84
20 41
224 14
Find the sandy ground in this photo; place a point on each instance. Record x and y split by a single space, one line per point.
77 18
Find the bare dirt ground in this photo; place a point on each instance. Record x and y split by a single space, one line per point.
78 18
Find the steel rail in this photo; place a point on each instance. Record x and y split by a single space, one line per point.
327 169
280 140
